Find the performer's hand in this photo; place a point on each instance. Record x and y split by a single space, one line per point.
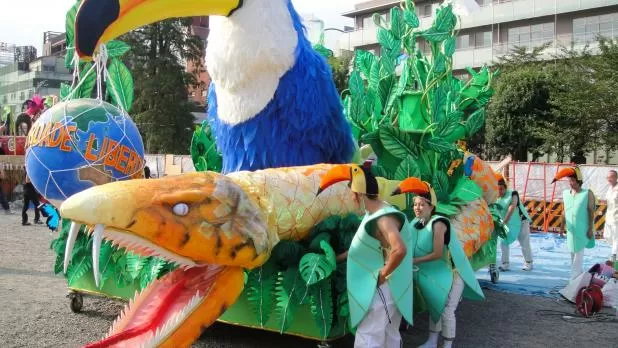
590 233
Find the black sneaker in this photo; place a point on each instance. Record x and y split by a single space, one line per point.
26 224
38 222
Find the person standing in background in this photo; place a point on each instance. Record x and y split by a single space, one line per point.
579 204
3 201
611 216
30 195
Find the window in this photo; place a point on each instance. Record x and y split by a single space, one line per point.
483 2
482 39
463 42
368 23
585 30
424 10
22 96
531 36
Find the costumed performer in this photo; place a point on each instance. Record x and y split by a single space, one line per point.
611 216
379 268
579 204
442 274
516 217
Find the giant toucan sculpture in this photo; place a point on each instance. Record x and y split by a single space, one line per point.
272 102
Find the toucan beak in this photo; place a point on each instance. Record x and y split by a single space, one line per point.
563 173
99 21
334 175
411 185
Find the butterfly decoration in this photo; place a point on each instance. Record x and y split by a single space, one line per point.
52 215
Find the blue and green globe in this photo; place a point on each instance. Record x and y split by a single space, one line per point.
79 144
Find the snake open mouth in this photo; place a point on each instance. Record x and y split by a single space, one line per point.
156 315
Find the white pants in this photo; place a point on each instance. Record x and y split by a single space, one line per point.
524 241
375 330
577 263
447 322
610 234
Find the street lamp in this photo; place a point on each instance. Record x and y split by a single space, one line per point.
39 85
343 32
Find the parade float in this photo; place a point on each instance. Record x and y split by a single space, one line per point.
245 240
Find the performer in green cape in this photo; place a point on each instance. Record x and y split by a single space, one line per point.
518 220
579 206
442 272
379 268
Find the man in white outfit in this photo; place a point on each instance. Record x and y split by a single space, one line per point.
611 216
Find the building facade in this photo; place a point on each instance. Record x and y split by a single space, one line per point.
199 27
486 35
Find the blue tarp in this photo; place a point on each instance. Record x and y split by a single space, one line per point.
552 266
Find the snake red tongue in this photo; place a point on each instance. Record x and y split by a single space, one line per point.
194 298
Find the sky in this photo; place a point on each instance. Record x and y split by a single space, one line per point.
22 22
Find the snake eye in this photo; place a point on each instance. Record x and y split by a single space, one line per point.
181 209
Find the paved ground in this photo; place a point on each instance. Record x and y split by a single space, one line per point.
35 312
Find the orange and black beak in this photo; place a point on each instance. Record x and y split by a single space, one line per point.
99 21
412 185
567 172
500 178
334 175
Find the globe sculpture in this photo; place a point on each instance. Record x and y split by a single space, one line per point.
82 143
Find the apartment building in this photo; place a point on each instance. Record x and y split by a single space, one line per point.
487 34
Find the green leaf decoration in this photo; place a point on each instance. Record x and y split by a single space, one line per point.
385 158
397 142
343 305
87 80
70 24
387 39
475 122
317 267
120 82
447 209
284 306
261 291
440 63
356 85
398 27
204 151
374 75
117 48
411 19
439 145
150 271
322 306
449 47
68 58
407 168
79 267
135 263
316 242
465 191
106 262
287 253
363 61
59 264
440 185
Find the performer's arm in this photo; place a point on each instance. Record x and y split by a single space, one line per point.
342 257
591 204
439 230
389 227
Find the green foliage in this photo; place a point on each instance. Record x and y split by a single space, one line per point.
321 302
120 84
414 119
317 267
260 289
203 150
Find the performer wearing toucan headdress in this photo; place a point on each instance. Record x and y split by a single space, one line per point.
442 271
518 220
579 206
379 268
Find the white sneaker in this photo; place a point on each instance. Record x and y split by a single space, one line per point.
527 266
505 267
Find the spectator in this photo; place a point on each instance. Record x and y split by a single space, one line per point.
30 196
3 201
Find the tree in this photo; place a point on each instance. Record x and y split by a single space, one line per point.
161 109
341 70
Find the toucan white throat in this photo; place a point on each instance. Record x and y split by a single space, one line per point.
247 54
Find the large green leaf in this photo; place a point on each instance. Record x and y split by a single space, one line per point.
203 150
150 271
374 75
387 40
439 145
87 80
385 158
78 267
117 48
411 19
135 263
475 122
261 291
120 82
363 61
284 305
410 117
70 24
448 125
317 267
440 184
449 46
322 306
106 262
398 27
316 242
397 142
287 253
356 85
447 209
407 168
68 58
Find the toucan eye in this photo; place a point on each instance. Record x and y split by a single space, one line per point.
181 209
